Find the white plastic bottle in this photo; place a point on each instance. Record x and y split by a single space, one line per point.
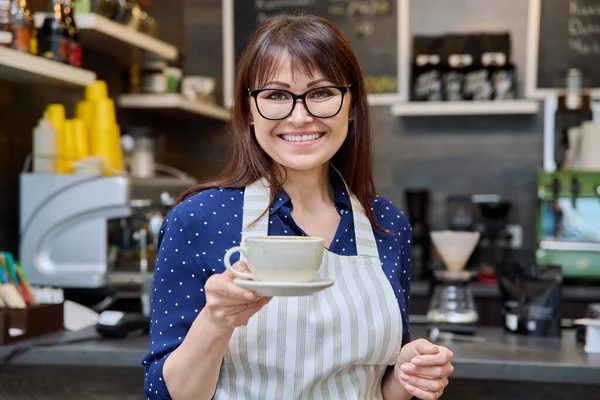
44 147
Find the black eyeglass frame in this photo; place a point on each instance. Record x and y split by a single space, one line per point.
296 97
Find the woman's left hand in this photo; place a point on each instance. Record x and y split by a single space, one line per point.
423 369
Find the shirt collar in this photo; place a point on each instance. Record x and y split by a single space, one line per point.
340 194
281 199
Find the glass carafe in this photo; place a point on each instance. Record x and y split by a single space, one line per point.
452 304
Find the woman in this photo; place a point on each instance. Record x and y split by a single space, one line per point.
300 116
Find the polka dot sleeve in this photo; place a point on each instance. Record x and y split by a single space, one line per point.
395 250
177 298
405 276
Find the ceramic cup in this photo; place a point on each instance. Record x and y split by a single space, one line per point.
279 258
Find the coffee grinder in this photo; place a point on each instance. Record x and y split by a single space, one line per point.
452 307
494 247
417 205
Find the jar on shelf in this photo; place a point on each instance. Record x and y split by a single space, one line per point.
143 157
153 73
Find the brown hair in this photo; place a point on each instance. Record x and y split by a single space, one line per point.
313 43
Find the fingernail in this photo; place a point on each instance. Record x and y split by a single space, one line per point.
404 377
406 368
409 387
416 361
249 295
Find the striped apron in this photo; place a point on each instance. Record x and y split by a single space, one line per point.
335 344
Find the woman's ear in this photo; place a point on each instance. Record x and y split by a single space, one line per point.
351 111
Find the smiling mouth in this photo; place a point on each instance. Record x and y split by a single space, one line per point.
302 138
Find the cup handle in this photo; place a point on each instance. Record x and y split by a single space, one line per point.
228 255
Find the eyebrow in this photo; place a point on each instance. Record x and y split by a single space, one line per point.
288 86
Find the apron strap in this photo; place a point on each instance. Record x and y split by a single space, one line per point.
363 231
256 202
365 239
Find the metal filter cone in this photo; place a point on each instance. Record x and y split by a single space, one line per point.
455 247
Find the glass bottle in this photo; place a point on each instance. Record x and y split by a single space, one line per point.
74 53
54 38
21 19
5 27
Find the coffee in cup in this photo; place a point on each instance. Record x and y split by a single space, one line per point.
279 258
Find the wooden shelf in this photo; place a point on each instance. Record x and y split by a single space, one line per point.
174 103
16 66
499 107
110 37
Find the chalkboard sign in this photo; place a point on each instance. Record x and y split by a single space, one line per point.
563 34
372 26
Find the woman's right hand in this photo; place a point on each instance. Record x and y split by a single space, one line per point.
229 305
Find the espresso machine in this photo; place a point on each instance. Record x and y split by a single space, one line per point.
568 185
92 235
63 226
568 222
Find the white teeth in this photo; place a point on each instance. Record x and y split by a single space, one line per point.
302 138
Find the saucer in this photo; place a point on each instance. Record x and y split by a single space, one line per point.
269 289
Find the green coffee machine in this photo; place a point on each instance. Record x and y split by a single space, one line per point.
568 222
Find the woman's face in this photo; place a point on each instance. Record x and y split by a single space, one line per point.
300 141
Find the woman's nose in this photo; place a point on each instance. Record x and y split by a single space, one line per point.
300 114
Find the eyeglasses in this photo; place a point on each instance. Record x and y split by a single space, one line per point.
320 102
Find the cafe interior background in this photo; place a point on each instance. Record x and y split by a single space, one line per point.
515 165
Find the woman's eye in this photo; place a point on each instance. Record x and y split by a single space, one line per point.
320 94
277 96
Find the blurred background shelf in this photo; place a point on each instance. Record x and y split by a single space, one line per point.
16 66
174 104
107 36
497 107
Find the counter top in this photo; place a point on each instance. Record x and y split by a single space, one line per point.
506 356
503 356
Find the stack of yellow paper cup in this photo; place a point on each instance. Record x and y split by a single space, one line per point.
76 142
84 111
56 114
93 133
96 91
98 113
106 136
82 146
